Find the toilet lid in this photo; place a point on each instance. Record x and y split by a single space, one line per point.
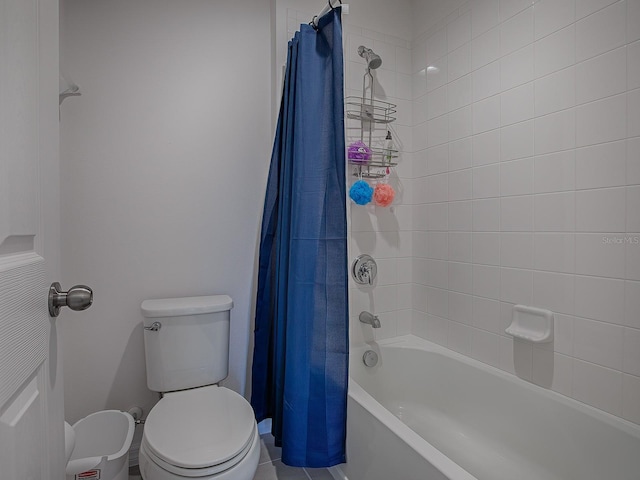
199 428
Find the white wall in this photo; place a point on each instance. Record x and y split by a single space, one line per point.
527 189
164 162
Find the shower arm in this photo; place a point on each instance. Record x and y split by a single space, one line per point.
373 61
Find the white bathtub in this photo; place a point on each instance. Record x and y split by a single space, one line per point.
427 413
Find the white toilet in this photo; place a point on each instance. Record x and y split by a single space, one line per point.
198 430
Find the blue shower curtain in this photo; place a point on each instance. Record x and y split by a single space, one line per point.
300 358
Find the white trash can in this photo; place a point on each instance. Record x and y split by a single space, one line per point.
101 450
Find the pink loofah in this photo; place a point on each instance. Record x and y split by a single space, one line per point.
383 194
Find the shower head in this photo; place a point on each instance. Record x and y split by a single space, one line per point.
373 59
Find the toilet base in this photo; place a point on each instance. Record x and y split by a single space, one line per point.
244 470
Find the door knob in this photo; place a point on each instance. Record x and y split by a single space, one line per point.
77 298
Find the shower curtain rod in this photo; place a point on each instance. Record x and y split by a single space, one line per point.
331 4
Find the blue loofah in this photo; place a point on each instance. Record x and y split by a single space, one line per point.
360 192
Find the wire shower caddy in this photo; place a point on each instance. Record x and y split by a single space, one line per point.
369 112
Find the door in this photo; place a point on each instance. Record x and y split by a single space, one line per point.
31 397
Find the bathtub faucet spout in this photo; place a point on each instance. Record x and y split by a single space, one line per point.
369 318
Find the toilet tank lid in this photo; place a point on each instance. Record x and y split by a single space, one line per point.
174 307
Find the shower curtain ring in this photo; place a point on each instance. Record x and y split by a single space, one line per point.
330 6
313 23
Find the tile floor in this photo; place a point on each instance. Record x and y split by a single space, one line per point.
270 467
134 473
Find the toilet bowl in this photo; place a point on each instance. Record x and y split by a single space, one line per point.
204 433
198 430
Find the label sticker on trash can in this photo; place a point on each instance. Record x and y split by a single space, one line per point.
89 475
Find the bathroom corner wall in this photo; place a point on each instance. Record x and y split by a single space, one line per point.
526 188
164 160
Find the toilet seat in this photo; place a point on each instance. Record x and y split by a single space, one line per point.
199 432
208 472
243 470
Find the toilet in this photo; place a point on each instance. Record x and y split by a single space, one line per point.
198 429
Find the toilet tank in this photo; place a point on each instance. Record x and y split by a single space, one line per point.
190 347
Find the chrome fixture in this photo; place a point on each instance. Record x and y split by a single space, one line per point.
136 413
373 59
364 269
67 89
79 297
370 358
155 326
369 319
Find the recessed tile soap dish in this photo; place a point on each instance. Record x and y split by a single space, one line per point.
531 324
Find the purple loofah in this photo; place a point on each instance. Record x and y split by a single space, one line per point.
358 152
360 192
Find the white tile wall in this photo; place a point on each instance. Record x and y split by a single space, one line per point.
486 148
516 68
516 32
601 76
633 20
486 81
516 141
600 32
387 233
601 165
517 104
554 252
519 182
509 8
459 63
516 250
528 190
516 177
486 248
553 15
554 212
555 172
555 52
555 92
633 65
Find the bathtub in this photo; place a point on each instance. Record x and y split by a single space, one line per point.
426 413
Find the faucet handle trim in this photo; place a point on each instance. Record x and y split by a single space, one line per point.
364 269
